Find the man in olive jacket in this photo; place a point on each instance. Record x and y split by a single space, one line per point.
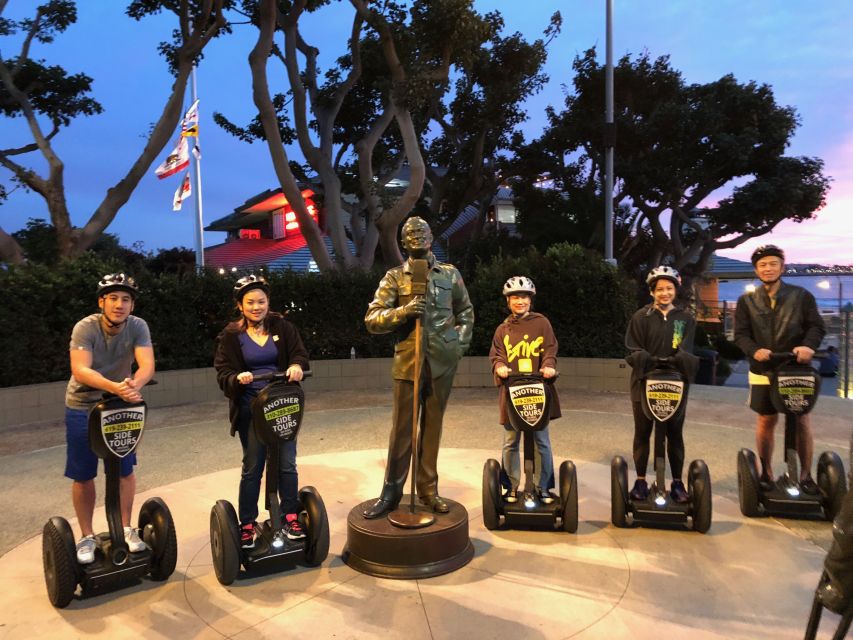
448 321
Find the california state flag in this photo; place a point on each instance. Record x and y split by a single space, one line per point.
183 192
176 161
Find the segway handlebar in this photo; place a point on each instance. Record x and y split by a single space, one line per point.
279 375
107 395
520 376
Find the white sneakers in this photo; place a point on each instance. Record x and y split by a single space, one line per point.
86 545
86 550
134 543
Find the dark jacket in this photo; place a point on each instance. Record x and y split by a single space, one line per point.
529 338
795 322
447 325
229 361
650 335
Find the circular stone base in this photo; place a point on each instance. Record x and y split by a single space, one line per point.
378 548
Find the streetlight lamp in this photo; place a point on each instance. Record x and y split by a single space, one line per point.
826 285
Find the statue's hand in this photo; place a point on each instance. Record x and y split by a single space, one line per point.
414 308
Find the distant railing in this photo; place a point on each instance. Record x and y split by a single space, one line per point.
837 344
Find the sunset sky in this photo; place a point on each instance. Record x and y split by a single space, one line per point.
801 49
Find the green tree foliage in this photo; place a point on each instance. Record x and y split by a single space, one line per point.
359 122
47 98
587 301
677 144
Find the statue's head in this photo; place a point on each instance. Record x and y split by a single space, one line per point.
416 237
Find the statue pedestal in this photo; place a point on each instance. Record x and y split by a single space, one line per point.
378 548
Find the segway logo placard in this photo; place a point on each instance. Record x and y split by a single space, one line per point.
664 398
122 428
282 416
797 393
528 401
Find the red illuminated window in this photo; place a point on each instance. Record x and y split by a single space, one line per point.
250 234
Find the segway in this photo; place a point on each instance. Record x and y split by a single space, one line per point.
276 417
528 401
665 390
115 429
794 389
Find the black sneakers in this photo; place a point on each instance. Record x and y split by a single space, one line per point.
292 527
678 492
640 491
247 535
809 486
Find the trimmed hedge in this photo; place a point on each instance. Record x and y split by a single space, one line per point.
587 301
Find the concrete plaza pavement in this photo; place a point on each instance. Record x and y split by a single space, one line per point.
744 579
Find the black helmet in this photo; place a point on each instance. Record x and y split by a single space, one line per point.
663 272
117 282
247 283
767 250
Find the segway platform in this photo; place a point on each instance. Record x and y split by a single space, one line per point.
528 402
665 391
794 390
277 413
115 430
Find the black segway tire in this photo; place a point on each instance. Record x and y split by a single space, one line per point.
59 557
158 532
569 496
832 482
747 484
619 492
225 542
316 524
699 479
491 494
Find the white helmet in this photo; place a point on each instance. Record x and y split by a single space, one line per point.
663 271
519 284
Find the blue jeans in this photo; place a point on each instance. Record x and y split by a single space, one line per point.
543 461
254 461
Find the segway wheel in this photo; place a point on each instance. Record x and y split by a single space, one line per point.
317 524
569 496
491 494
699 480
619 492
225 542
158 532
747 484
832 482
59 556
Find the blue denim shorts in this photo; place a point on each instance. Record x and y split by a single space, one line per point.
81 464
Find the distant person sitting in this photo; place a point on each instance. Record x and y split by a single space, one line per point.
829 362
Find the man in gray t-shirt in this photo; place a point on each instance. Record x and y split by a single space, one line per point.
103 348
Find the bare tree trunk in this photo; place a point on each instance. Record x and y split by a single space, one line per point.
10 250
261 95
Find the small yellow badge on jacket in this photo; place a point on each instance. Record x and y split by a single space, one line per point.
525 365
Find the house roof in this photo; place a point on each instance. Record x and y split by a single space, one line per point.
254 211
291 253
722 267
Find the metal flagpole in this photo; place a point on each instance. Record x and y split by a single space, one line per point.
199 218
609 139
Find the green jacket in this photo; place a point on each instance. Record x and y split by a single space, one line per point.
447 325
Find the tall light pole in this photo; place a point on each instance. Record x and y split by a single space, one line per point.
609 139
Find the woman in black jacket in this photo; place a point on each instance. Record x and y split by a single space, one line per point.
660 330
260 341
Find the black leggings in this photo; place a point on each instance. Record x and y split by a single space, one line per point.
674 442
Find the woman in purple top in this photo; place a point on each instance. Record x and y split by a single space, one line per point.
260 341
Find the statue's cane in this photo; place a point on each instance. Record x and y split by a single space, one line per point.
412 518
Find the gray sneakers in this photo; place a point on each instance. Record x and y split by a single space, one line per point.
86 550
134 543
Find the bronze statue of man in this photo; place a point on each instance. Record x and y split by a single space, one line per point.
448 320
